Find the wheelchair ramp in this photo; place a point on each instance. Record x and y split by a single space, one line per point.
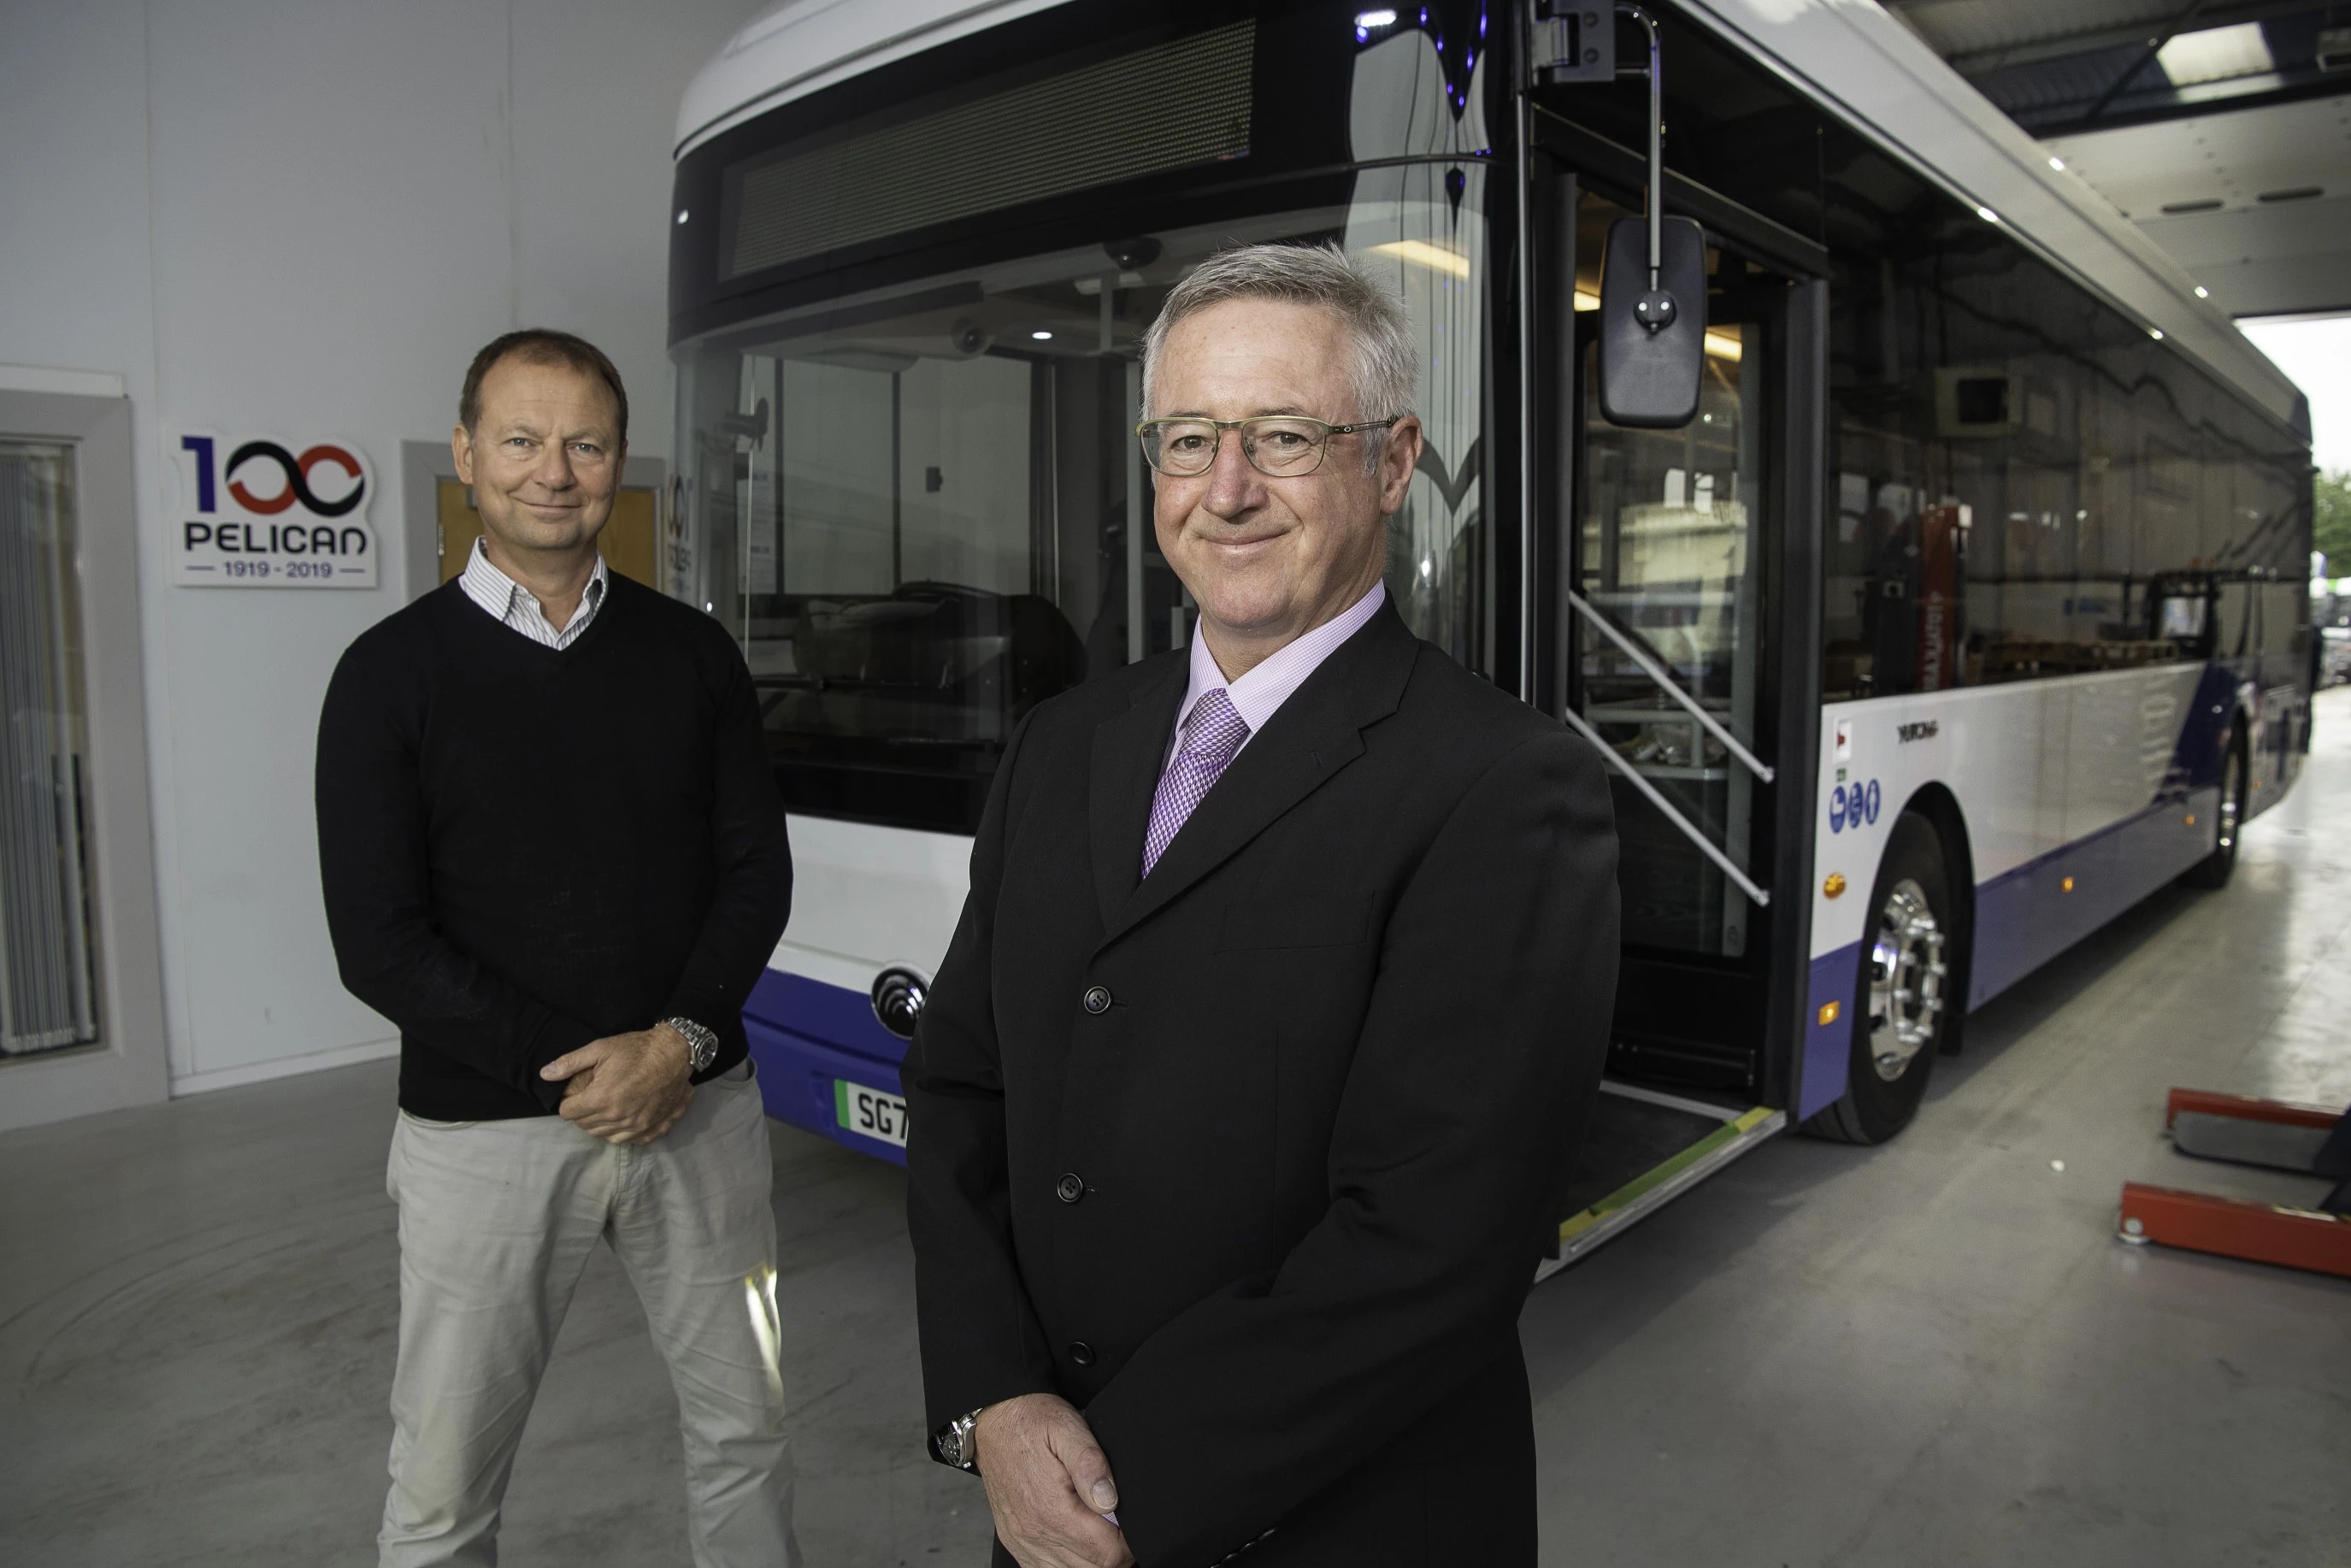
1645 1148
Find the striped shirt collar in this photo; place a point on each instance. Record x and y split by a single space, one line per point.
1268 685
511 604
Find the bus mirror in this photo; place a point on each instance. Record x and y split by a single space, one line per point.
1652 337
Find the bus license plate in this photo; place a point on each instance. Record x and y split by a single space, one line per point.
869 1112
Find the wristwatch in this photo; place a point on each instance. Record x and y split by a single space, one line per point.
701 1041
955 1444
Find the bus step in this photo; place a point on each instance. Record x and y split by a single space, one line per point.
1644 1149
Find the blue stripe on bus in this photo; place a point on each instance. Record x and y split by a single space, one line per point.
1828 1046
806 1035
2198 758
2026 917
2023 918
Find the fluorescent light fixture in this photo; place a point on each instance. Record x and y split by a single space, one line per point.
1723 346
2216 53
1987 214
2202 292
1043 337
1374 19
1420 253
2057 163
2156 333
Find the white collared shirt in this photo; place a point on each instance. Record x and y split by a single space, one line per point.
509 602
1266 687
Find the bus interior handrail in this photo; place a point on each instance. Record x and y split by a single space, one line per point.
1671 688
1671 813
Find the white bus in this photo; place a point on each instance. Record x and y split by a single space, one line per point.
1969 609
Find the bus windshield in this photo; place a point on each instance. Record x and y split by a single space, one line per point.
917 508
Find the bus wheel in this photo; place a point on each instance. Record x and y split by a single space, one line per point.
1909 957
2227 825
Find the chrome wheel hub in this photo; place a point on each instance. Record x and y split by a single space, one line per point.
1906 979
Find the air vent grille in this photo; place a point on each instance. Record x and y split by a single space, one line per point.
1166 107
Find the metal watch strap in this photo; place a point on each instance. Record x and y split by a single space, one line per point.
955 1445
701 1041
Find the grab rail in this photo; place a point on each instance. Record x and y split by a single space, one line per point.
1670 813
1671 688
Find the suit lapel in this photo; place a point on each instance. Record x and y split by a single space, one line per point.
1310 737
1128 748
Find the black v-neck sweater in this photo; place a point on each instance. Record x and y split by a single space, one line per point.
525 848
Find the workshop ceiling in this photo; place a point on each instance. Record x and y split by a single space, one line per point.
2222 128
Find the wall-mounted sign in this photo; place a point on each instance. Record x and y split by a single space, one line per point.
261 513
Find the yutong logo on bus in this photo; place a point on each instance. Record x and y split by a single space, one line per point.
239 533
1925 729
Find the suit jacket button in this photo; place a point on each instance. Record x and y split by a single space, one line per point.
1071 1187
1082 1353
1097 999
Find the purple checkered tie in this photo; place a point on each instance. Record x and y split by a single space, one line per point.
1212 735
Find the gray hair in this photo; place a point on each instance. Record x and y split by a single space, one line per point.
1386 372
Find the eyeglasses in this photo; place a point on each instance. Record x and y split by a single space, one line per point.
1281 446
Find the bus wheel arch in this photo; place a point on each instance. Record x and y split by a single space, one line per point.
2230 812
1910 973
1941 807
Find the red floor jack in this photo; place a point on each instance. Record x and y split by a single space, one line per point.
2308 1140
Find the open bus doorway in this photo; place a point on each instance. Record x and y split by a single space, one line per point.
1667 600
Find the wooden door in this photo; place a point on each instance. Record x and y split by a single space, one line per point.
628 541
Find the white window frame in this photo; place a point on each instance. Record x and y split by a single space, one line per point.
130 1064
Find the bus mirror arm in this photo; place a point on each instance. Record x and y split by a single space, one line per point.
1652 290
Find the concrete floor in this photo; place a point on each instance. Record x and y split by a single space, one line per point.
1927 1353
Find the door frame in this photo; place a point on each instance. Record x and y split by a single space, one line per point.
1772 981
424 464
130 1062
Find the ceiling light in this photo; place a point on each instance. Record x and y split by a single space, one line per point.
1368 19
1043 337
681 214
2202 292
2156 333
1420 253
1987 214
2057 163
2216 53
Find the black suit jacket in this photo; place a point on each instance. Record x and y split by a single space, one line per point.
1253 1159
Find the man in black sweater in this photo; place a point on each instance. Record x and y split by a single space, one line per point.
554 855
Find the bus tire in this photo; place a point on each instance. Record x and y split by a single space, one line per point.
1903 1003
2228 822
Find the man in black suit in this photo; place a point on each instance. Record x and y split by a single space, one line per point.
1243 1092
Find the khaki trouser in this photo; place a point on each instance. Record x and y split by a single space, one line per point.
496 1220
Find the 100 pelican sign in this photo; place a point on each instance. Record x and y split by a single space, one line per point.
259 513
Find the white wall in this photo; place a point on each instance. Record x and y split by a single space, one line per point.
302 217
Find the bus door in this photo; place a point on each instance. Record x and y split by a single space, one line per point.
1668 623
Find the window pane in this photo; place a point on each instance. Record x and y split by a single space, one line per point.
913 505
1667 553
48 992
2024 480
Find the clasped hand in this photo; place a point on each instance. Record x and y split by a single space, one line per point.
1048 1485
626 1088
